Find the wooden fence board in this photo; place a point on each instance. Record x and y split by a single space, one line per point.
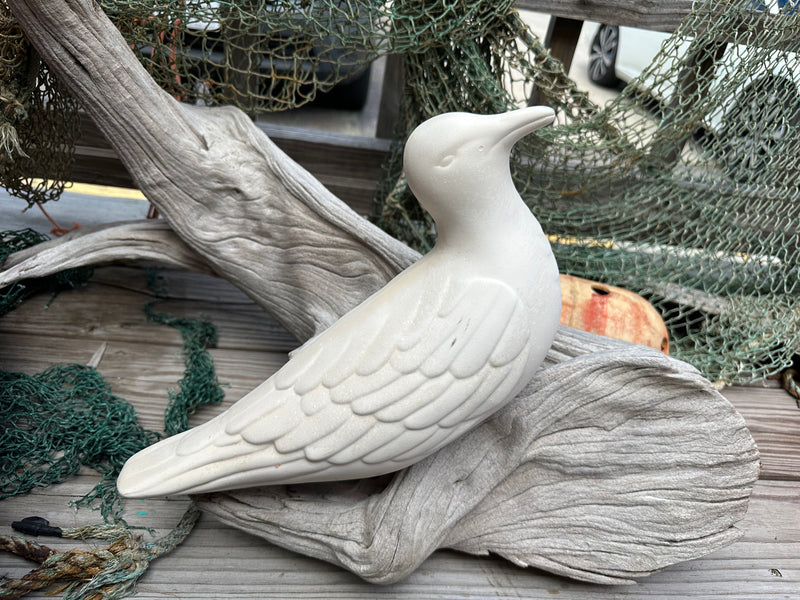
659 15
349 166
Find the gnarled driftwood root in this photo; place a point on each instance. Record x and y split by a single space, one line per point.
610 465
615 461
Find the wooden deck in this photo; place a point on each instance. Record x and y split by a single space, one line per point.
143 361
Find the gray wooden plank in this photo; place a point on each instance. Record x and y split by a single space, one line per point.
391 97
143 361
112 309
765 563
773 417
141 372
218 562
658 15
562 37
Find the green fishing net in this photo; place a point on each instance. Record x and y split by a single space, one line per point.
54 422
683 189
15 240
39 120
58 420
199 386
695 203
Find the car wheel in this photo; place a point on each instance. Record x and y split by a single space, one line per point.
760 119
603 56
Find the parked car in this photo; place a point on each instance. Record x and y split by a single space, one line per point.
281 46
745 128
621 53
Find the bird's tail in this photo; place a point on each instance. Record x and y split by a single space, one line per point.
208 459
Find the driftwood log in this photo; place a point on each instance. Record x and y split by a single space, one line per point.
614 462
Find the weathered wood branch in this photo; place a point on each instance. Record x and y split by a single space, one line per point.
128 241
349 166
225 189
614 462
610 465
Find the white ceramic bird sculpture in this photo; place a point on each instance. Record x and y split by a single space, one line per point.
440 348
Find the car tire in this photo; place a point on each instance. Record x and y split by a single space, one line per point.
603 56
759 120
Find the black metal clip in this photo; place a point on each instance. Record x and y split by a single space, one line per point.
36 526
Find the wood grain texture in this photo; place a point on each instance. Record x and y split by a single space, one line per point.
146 240
246 566
222 185
615 462
658 15
617 482
349 166
773 418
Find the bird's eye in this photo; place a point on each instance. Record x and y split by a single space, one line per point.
445 162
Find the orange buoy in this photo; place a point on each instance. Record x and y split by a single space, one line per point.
611 311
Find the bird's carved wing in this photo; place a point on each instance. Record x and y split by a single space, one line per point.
380 390
415 378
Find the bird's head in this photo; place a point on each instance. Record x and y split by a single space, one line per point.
454 160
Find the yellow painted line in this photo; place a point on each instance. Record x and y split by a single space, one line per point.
110 191
89 189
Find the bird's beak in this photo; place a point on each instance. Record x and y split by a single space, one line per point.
514 125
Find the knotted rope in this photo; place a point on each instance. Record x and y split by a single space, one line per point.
108 573
65 417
